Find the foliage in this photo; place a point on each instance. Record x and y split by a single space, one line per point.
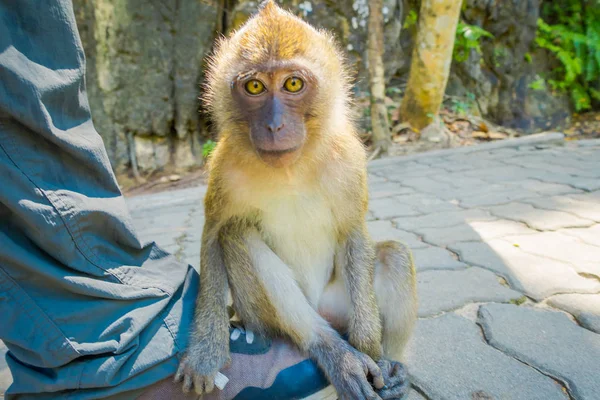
207 148
571 33
468 38
411 19
462 105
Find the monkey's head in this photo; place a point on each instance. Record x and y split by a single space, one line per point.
276 86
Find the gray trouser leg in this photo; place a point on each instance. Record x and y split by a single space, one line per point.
86 310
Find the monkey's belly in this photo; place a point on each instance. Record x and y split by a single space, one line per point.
302 234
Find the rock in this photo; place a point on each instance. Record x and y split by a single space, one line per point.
447 358
441 291
174 178
144 63
548 341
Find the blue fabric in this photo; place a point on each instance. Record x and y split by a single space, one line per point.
86 310
296 382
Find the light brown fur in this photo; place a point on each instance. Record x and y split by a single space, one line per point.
293 240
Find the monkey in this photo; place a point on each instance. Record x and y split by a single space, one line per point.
285 216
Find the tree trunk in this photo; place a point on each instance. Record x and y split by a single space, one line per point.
379 120
431 60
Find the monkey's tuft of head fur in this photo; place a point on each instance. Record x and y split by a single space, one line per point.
276 86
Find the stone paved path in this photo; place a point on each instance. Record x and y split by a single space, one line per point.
507 247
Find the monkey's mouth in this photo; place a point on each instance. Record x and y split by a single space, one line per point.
279 158
277 153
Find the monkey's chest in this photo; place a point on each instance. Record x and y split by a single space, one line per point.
302 233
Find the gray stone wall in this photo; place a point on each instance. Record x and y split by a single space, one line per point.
145 60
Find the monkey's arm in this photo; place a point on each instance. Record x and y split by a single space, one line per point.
357 259
268 298
208 347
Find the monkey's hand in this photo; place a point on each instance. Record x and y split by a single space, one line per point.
200 365
349 372
396 380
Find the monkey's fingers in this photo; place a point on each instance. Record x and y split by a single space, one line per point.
375 371
396 380
204 384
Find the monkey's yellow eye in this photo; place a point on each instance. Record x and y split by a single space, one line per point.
293 84
254 87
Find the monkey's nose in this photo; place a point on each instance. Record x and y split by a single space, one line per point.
274 128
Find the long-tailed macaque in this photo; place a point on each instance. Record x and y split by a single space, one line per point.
285 216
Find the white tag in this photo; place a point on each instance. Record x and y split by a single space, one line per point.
221 380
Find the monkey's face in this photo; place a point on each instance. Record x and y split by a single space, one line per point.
274 103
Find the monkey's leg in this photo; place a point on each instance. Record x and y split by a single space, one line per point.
268 298
208 347
392 282
396 292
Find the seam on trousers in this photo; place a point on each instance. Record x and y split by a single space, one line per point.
13 283
64 223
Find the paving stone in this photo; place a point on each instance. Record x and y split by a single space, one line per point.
584 307
490 198
582 257
383 230
588 184
448 359
589 235
441 291
427 204
536 276
443 219
427 185
546 220
499 173
387 189
472 232
390 207
414 395
435 258
549 341
544 187
583 209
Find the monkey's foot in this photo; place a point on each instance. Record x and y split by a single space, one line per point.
395 376
188 375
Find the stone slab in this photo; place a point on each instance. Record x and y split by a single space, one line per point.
548 341
448 359
384 230
545 220
472 232
442 219
536 276
442 291
589 235
584 307
582 257
546 137
390 207
583 209
435 258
